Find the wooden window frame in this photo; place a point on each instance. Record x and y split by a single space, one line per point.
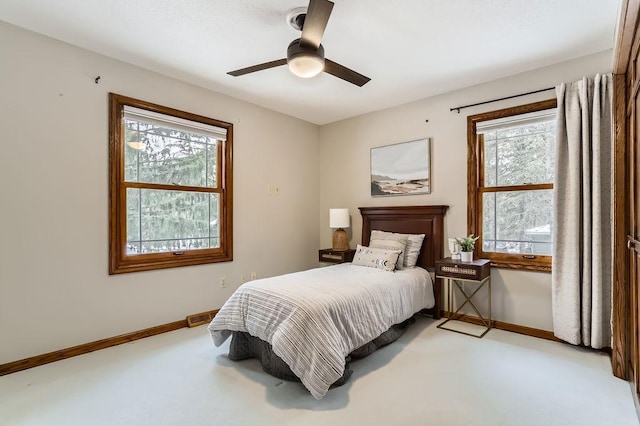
475 189
119 260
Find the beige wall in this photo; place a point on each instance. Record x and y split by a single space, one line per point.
522 298
54 288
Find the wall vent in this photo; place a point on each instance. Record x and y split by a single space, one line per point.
201 318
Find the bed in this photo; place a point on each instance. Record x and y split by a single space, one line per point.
309 325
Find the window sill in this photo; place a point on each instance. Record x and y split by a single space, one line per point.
520 266
154 262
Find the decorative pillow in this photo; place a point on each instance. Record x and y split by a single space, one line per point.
392 245
384 259
414 244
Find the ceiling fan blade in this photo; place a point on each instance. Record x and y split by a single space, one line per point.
315 22
259 67
345 73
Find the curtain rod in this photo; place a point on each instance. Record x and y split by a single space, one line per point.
501 99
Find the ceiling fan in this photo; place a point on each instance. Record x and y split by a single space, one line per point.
305 55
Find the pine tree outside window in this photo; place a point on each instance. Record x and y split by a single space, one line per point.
510 192
170 186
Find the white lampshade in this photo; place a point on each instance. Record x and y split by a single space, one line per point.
339 218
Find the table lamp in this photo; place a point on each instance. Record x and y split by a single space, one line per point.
339 218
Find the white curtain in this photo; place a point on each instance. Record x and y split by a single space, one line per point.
581 266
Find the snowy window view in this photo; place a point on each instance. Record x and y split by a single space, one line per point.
517 193
171 177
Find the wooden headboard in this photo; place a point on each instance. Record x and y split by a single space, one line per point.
428 220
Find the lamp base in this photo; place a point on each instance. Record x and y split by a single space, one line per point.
340 240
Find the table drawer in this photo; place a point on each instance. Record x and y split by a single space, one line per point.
476 270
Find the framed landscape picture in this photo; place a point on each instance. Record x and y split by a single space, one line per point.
401 169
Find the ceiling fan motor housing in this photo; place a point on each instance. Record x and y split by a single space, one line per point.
305 61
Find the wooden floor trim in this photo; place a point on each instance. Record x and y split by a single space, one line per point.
499 325
35 361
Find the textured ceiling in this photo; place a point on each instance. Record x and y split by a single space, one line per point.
411 49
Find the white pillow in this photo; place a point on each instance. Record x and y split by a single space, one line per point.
384 259
414 244
392 245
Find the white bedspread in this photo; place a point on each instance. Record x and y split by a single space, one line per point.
314 319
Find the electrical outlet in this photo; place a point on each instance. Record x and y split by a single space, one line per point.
223 282
254 275
273 189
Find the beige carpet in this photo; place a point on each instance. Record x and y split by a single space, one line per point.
428 377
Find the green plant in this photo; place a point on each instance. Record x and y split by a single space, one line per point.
467 243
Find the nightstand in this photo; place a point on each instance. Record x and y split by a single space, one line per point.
456 273
333 256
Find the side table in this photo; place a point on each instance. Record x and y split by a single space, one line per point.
456 273
335 256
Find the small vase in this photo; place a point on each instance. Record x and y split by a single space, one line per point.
466 256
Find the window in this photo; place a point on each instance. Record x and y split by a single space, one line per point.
510 192
170 178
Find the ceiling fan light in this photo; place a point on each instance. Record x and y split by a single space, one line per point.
136 145
306 66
